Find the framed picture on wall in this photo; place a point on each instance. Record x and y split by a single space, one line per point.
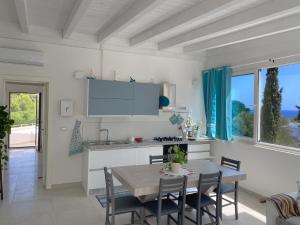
66 107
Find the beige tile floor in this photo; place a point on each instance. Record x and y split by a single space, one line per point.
28 203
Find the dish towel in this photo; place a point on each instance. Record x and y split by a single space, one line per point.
286 205
76 140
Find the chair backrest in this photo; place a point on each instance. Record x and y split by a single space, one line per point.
157 159
110 193
172 185
231 163
207 181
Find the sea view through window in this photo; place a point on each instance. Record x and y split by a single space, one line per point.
280 105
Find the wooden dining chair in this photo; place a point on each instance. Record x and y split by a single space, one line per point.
120 205
200 201
231 187
164 206
157 159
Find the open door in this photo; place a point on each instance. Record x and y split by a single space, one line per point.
24 110
38 133
26 103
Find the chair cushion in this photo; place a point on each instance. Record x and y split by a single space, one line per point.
192 200
127 203
291 221
226 188
191 190
188 191
168 207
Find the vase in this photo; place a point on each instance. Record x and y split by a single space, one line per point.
175 167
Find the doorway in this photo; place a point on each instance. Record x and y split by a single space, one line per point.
26 103
25 109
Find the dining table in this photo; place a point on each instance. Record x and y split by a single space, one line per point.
143 180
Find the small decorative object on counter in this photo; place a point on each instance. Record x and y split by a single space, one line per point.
189 125
138 139
199 129
179 158
131 140
76 145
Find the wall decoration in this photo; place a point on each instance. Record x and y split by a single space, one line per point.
66 107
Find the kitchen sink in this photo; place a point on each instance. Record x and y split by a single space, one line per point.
110 142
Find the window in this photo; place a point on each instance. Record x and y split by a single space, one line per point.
279 98
242 95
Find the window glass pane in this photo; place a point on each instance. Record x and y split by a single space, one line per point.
242 94
279 105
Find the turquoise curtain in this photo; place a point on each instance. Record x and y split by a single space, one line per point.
217 101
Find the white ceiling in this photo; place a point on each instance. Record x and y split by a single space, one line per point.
49 13
163 11
99 13
192 25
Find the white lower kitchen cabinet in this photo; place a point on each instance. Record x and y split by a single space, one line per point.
199 152
112 158
94 162
144 153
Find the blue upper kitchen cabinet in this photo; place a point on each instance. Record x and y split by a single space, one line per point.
122 98
110 89
146 99
109 97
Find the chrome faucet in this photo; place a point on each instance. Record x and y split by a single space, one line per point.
107 134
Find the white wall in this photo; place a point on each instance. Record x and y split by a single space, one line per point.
63 61
268 171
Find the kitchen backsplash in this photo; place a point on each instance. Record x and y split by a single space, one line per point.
123 128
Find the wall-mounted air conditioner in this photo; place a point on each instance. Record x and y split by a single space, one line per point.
20 56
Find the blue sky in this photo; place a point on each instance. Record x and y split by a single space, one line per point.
289 80
243 89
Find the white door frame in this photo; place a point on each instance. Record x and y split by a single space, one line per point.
48 107
30 88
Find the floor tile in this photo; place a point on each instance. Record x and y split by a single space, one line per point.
28 203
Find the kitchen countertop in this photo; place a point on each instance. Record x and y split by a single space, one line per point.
145 143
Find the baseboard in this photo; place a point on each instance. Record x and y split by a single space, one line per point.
259 196
66 185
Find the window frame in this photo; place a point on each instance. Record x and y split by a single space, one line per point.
243 139
257 104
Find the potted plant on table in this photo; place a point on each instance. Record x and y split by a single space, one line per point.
5 126
179 157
